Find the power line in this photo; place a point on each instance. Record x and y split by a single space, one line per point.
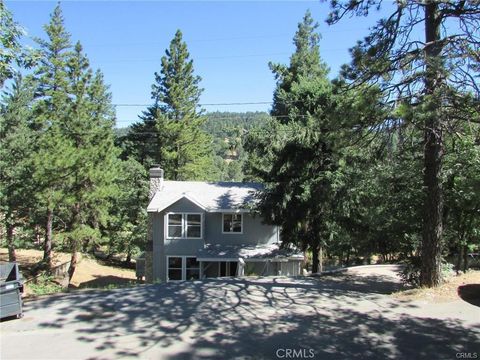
195 58
253 37
246 117
203 104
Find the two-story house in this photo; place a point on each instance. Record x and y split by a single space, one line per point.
205 229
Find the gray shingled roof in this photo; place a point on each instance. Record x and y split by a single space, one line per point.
211 196
222 252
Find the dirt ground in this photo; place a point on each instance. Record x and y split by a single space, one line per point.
89 273
446 292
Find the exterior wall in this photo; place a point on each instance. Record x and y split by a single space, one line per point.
158 248
149 261
290 268
254 232
168 247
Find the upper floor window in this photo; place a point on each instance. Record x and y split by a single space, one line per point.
232 223
185 226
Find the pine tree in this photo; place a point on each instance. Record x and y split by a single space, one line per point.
17 140
143 141
127 226
75 156
305 64
295 155
95 166
54 153
435 77
171 129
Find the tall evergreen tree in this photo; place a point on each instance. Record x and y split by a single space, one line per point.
295 157
305 63
127 227
75 156
16 144
54 153
94 164
436 77
180 145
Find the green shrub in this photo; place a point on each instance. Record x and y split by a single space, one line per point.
43 285
411 273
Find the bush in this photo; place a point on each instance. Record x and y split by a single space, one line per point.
43 285
447 270
411 273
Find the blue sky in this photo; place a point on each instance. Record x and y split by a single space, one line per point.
231 43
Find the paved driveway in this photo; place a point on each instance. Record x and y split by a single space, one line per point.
340 317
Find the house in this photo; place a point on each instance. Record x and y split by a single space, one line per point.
200 230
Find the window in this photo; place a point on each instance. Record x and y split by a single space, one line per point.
192 269
174 268
175 225
194 225
184 226
182 268
232 223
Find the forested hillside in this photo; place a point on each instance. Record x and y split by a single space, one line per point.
227 130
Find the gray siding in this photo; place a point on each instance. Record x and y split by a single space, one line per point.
166 247
290 268
254 232
158 248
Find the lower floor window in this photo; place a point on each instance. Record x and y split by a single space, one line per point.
192 269
183 268
174 268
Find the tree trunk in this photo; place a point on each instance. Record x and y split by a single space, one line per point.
73 265
320 260
128 260
74 242
47 246
12 256
465 258
315 259
430 272
458 266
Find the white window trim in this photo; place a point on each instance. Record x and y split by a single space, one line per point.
184 266
184 225
232 232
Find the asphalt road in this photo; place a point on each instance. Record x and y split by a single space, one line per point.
346 316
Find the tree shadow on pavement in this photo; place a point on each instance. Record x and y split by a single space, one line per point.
335 317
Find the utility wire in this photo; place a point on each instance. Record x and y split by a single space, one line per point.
203 104
240 118
246 37
217 57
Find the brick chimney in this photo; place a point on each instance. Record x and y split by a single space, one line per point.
156 180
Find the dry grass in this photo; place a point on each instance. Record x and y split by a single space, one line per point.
89 272
446 292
